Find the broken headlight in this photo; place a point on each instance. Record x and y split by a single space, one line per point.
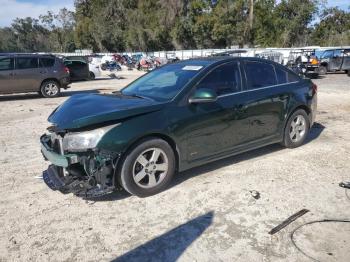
79 141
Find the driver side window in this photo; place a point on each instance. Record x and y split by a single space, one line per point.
225 79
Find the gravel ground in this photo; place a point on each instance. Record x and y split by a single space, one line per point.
208 213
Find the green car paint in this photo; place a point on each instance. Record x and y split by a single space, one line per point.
199 125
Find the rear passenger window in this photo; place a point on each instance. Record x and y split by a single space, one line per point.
260 75
225 79
27 62
47 62
284 76
6 63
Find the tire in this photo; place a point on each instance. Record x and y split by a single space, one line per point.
145 179
297 129
92 76
322 70
50 89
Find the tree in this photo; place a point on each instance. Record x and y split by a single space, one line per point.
333 28
292 18
61 27
30 35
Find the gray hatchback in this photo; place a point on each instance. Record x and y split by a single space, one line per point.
22 73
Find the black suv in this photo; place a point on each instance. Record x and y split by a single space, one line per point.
22 73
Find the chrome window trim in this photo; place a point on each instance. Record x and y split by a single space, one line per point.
265 87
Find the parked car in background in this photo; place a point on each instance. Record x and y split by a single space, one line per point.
94 71
22 73
79 70
176 117
335 60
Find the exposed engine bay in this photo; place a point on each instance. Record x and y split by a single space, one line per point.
86 174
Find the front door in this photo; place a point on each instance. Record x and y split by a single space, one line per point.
6 74
217 127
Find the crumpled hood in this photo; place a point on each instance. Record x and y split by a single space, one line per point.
84 110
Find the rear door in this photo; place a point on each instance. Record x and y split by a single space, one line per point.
346 60
27 74
46 66
267 98
7 83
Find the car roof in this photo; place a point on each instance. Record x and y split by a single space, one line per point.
27 54
212 60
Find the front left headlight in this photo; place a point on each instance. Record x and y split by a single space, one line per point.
78 141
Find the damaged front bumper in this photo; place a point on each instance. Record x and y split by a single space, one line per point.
86 174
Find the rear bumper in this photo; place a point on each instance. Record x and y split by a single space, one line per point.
64 82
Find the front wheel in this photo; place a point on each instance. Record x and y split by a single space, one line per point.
50 89
148 168
296 130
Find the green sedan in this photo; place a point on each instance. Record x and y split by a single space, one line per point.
174 118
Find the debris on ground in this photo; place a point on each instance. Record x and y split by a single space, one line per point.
255 194
288 221
345 185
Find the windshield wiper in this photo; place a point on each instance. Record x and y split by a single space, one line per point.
119 93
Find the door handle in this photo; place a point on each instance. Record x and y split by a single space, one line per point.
283 97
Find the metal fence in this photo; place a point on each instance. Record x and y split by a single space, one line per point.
187 54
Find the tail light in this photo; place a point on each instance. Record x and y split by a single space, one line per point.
314 87
66 69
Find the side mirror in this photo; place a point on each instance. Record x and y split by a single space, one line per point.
203 95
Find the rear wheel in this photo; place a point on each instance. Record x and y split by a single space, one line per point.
296 130
322 70
148 168
50 89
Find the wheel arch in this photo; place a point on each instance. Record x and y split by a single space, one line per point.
303 107
136 141
50 79
325 64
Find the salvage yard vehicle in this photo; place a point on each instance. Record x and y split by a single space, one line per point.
78 69
176 117
94 71
304 62
23 73
335 60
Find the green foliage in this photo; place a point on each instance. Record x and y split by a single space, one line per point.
148 25
333 28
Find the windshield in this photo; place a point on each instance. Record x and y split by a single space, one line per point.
327 54
164 83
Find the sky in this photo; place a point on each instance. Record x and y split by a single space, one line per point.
10 9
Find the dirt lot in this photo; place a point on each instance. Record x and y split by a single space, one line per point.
208 213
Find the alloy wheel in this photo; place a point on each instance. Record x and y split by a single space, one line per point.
51 89
297 128
150 168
